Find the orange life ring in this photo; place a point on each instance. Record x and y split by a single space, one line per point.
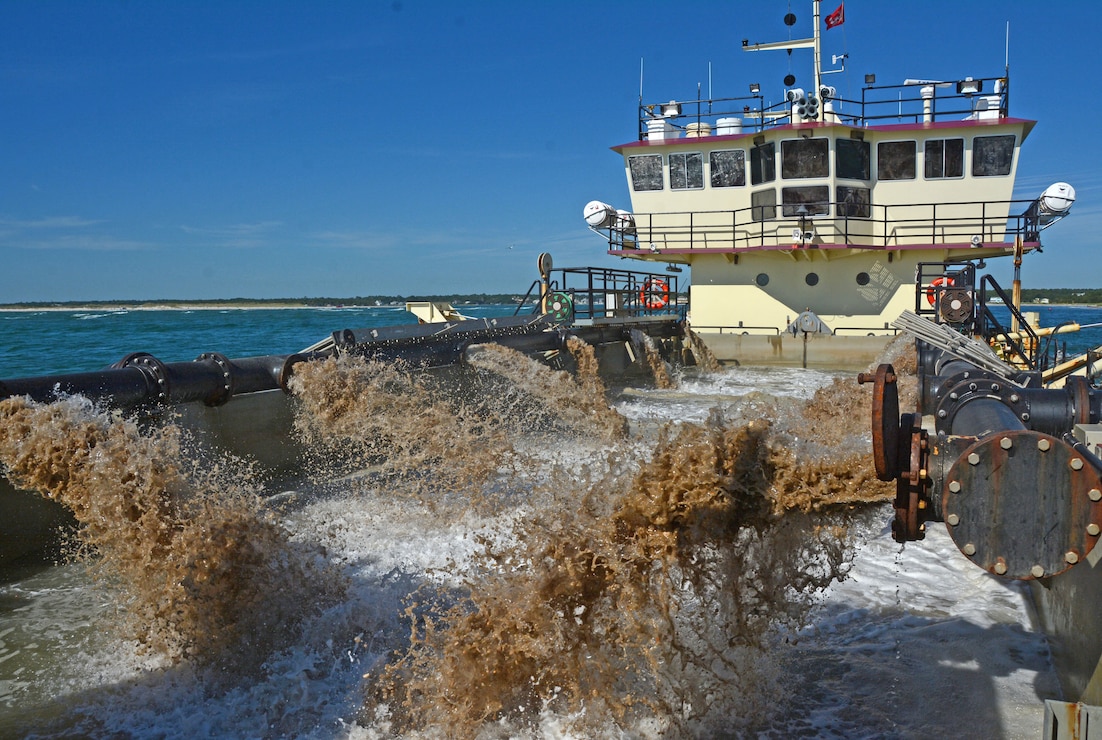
931 292
655 293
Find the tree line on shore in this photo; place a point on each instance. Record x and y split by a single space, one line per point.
1062 295
323 302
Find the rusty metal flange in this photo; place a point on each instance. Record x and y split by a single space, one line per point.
912 504
885 421
1023 504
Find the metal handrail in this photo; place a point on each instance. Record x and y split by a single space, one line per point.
892 226
879 104
601 293
982 321
1028 348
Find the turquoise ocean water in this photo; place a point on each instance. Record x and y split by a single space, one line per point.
50 342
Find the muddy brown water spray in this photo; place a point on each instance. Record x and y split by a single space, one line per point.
205 573
640 585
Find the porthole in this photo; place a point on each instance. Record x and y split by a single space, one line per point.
762 279
812 278
862 278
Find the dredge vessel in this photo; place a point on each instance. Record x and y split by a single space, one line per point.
814 230
802 215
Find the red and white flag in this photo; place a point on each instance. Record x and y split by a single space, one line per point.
837 18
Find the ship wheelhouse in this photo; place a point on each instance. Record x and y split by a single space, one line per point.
786 209
824 184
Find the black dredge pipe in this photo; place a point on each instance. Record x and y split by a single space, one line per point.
213 379
141 378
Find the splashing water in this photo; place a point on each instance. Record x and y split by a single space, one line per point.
660 371
643 596
447 435
704 356
611 582
206 576
632 589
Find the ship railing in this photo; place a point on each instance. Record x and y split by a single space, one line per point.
1021 346
599 293
741 329
1024 346
867 225
915 101
748 330
866 331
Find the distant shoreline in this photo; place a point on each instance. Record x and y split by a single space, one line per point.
256 305
188 307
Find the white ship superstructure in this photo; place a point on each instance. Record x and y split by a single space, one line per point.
813 212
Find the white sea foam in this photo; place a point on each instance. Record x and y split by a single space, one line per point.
918 642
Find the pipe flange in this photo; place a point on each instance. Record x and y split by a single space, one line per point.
225 392
287 370
965 388
155 372
1023 504
885 421
1079 389
912 502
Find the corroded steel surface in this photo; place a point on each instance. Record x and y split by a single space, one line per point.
1023 504
912 503
885 421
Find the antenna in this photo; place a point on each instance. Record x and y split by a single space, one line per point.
1008 47
640 80
709 88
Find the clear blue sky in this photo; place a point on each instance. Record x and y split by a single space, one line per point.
283 149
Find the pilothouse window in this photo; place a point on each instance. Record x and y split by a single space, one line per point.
992 155
814 200
852 158
646 171
895 160
686 171
763 205
944 158
763 164
728 168
805 158
854 202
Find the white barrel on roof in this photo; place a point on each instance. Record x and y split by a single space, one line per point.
728 126
659 129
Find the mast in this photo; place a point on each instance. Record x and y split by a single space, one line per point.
818 52
811 43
